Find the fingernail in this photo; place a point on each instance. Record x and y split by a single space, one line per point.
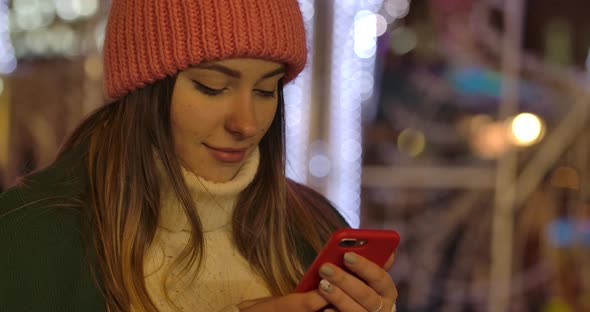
326 270
326 286
329 310
350 258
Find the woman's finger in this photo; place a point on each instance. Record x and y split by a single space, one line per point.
389 263
376 277
353 287
339 299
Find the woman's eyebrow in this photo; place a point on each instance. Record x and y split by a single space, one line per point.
280 70
222 69
236 74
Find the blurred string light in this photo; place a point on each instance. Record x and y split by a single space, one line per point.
381 24
355 31
70 10
60 39
526 129
32 14
7 56
320 164
297 107
43 27
365 34
403 39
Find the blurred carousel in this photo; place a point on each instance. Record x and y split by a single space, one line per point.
477 151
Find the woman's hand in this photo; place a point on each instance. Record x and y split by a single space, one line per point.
372 291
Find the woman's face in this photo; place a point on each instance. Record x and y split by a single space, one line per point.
219 113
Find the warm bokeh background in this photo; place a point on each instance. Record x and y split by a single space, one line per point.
462 124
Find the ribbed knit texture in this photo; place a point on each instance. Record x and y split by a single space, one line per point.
226 278
147 40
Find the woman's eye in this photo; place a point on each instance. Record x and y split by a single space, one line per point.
263 93
207 90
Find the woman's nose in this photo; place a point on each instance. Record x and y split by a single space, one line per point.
242 121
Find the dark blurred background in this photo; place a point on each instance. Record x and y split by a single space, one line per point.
462 124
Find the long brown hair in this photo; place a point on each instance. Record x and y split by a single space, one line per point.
274 216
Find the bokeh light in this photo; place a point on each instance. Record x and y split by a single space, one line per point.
307 9
352 150
397 8
411 142
403 40
381 24
356 27
297 106
32 14
565 177
88 7
320 166
526 129
73 9
365 34
489 140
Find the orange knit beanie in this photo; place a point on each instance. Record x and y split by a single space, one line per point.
147 40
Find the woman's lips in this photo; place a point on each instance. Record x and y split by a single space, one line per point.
227 155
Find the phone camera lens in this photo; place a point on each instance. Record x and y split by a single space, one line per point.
348 242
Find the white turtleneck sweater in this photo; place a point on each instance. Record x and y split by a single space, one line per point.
226 278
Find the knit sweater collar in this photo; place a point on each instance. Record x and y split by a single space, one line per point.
215 201
243 178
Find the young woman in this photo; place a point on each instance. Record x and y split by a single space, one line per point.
173 196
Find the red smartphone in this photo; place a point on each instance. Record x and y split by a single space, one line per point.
375 245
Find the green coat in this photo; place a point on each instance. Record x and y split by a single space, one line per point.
43 261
